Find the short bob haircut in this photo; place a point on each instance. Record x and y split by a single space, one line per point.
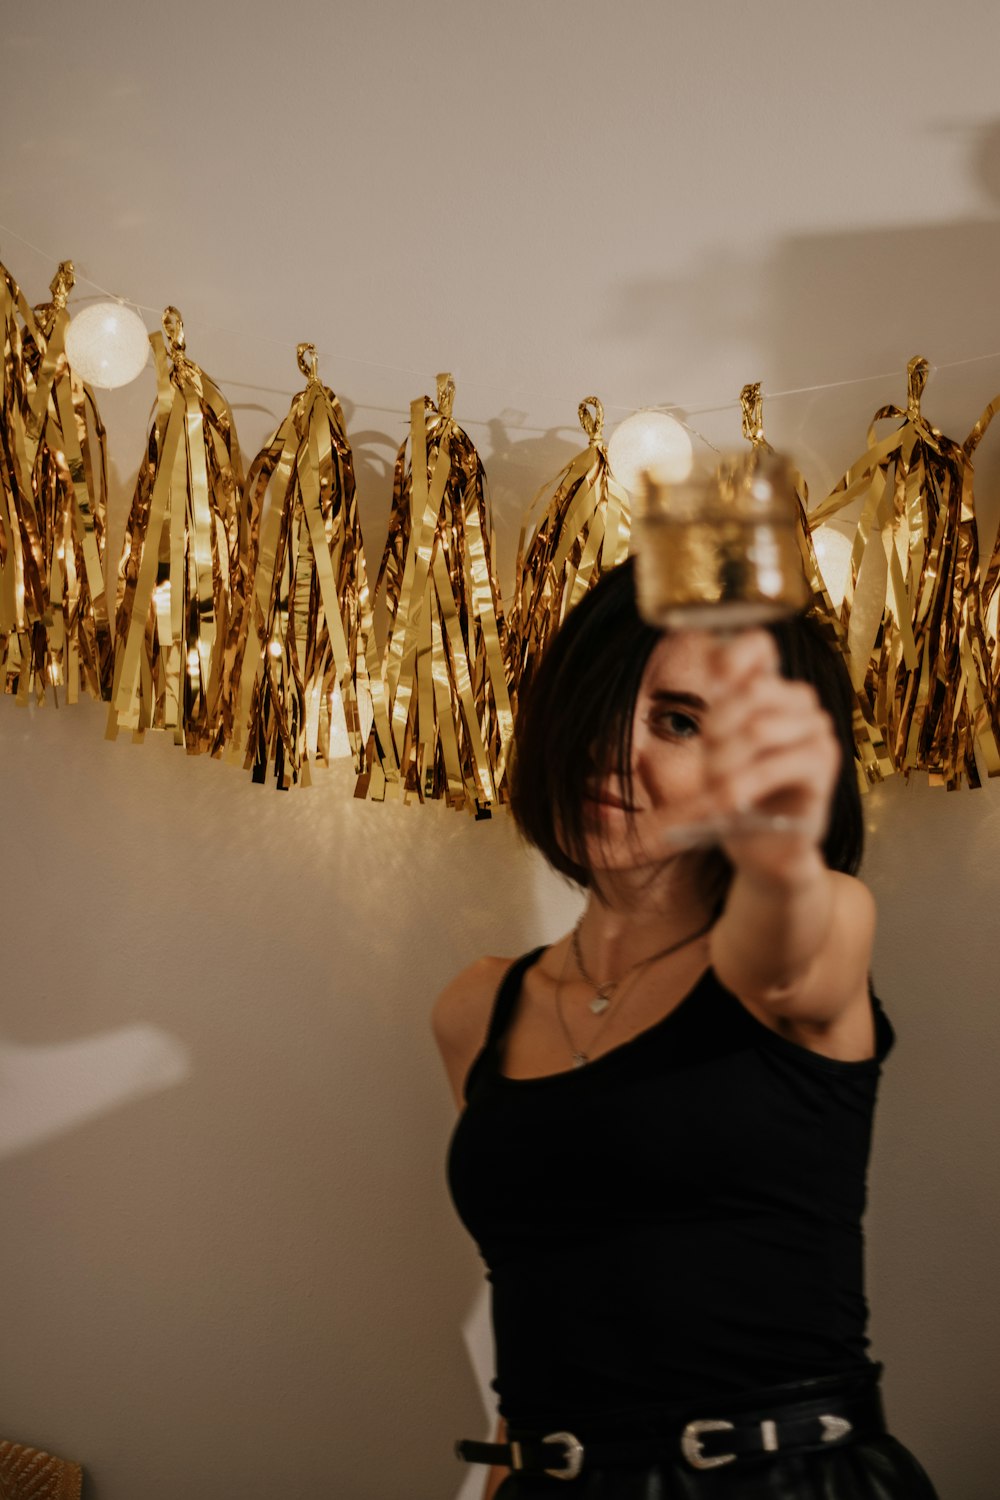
575 718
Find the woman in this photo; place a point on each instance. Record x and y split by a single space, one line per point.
667 1118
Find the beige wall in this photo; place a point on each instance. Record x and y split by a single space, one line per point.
228 1266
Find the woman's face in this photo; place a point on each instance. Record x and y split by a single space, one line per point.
667 758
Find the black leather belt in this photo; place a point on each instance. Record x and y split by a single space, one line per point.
706 1442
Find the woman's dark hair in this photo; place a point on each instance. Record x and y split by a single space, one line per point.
575 716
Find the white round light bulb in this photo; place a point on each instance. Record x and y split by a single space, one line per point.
107 345
653 441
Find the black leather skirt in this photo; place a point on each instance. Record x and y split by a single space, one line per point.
877 1469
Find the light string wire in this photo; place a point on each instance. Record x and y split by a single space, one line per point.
672 408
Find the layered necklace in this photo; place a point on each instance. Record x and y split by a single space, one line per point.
607 992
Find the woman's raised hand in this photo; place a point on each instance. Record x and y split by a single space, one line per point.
770 749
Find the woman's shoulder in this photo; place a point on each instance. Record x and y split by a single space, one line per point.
461 1015
464 999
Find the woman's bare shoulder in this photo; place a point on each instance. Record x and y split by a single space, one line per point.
463 1006
461 1015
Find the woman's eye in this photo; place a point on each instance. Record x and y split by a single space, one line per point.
674 724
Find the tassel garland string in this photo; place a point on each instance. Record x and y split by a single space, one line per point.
244 615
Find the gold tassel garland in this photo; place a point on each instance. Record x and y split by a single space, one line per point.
991 581
54 626
180 585
443 665
21 590
913 609
308 622
582 531
276 583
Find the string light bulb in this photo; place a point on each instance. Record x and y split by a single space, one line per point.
107 345
653 441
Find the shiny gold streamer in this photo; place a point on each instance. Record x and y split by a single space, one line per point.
991 582
307 629
180 579
443 665
19 594
54 628
912 609
576 528
873 761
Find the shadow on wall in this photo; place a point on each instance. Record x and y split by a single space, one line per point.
516 468
281 1214
833 307
51 1089
801 313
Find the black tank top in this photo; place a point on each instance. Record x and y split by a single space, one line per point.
680 1218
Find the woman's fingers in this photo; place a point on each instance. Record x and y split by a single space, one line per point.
767 746
791 778
745 655
769 713
768 742
760 701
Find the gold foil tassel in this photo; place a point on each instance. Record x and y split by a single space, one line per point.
991 582
54 626
576 528
443 666
21 590
873 761
307 632
912 608
180 585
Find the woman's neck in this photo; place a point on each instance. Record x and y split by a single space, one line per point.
631 917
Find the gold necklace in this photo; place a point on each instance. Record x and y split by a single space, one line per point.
606 993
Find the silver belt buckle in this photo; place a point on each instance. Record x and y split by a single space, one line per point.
692 1449
835 1428
574 1454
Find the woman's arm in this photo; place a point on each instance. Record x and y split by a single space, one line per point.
496 1477
799 949
461 1016
795 938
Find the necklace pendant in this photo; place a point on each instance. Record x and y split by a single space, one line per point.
599 1004
580 1059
